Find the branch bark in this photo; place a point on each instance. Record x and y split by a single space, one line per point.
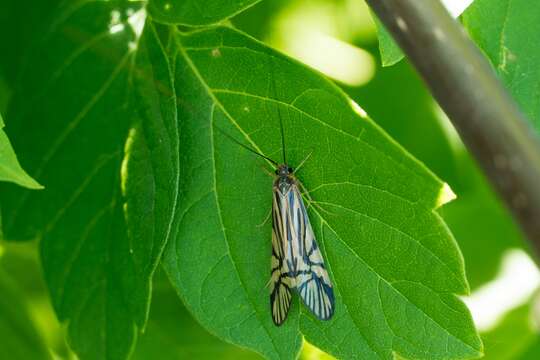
488 120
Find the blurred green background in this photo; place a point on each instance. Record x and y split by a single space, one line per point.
338 38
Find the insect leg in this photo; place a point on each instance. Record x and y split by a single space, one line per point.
303 161
267 172
265 219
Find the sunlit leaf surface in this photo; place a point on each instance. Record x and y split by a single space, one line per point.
395 266
196 12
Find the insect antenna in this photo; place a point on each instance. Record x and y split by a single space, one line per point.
247 147
278 110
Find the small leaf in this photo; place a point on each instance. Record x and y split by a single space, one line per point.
394 264
20 338
196 12
110 159
10 169
391 53
508 32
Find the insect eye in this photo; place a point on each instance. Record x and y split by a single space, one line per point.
276 172
291 170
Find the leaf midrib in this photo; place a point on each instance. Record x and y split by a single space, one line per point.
218 103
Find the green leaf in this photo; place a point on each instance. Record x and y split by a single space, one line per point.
196 12
110 160
10 169
172 334
394 264
20 338
410 118
391 53
507 31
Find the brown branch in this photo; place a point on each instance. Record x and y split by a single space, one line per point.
486 117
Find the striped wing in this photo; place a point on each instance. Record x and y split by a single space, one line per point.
281 280
311 277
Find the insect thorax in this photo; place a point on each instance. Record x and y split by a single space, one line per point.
284 181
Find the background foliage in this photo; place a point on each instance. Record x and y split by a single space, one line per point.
117 108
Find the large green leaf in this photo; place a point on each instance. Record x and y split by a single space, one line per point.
110 161
196 12
509 33
20 339
394 264
10 169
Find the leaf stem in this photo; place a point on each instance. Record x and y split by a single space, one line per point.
488 120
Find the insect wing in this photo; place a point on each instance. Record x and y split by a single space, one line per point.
311 277
281 280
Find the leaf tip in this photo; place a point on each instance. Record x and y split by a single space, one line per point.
445 195
34 185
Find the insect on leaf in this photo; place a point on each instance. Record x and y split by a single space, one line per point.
297 263
395 268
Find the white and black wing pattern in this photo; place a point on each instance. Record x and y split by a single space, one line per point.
311 277
282 279
296 259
